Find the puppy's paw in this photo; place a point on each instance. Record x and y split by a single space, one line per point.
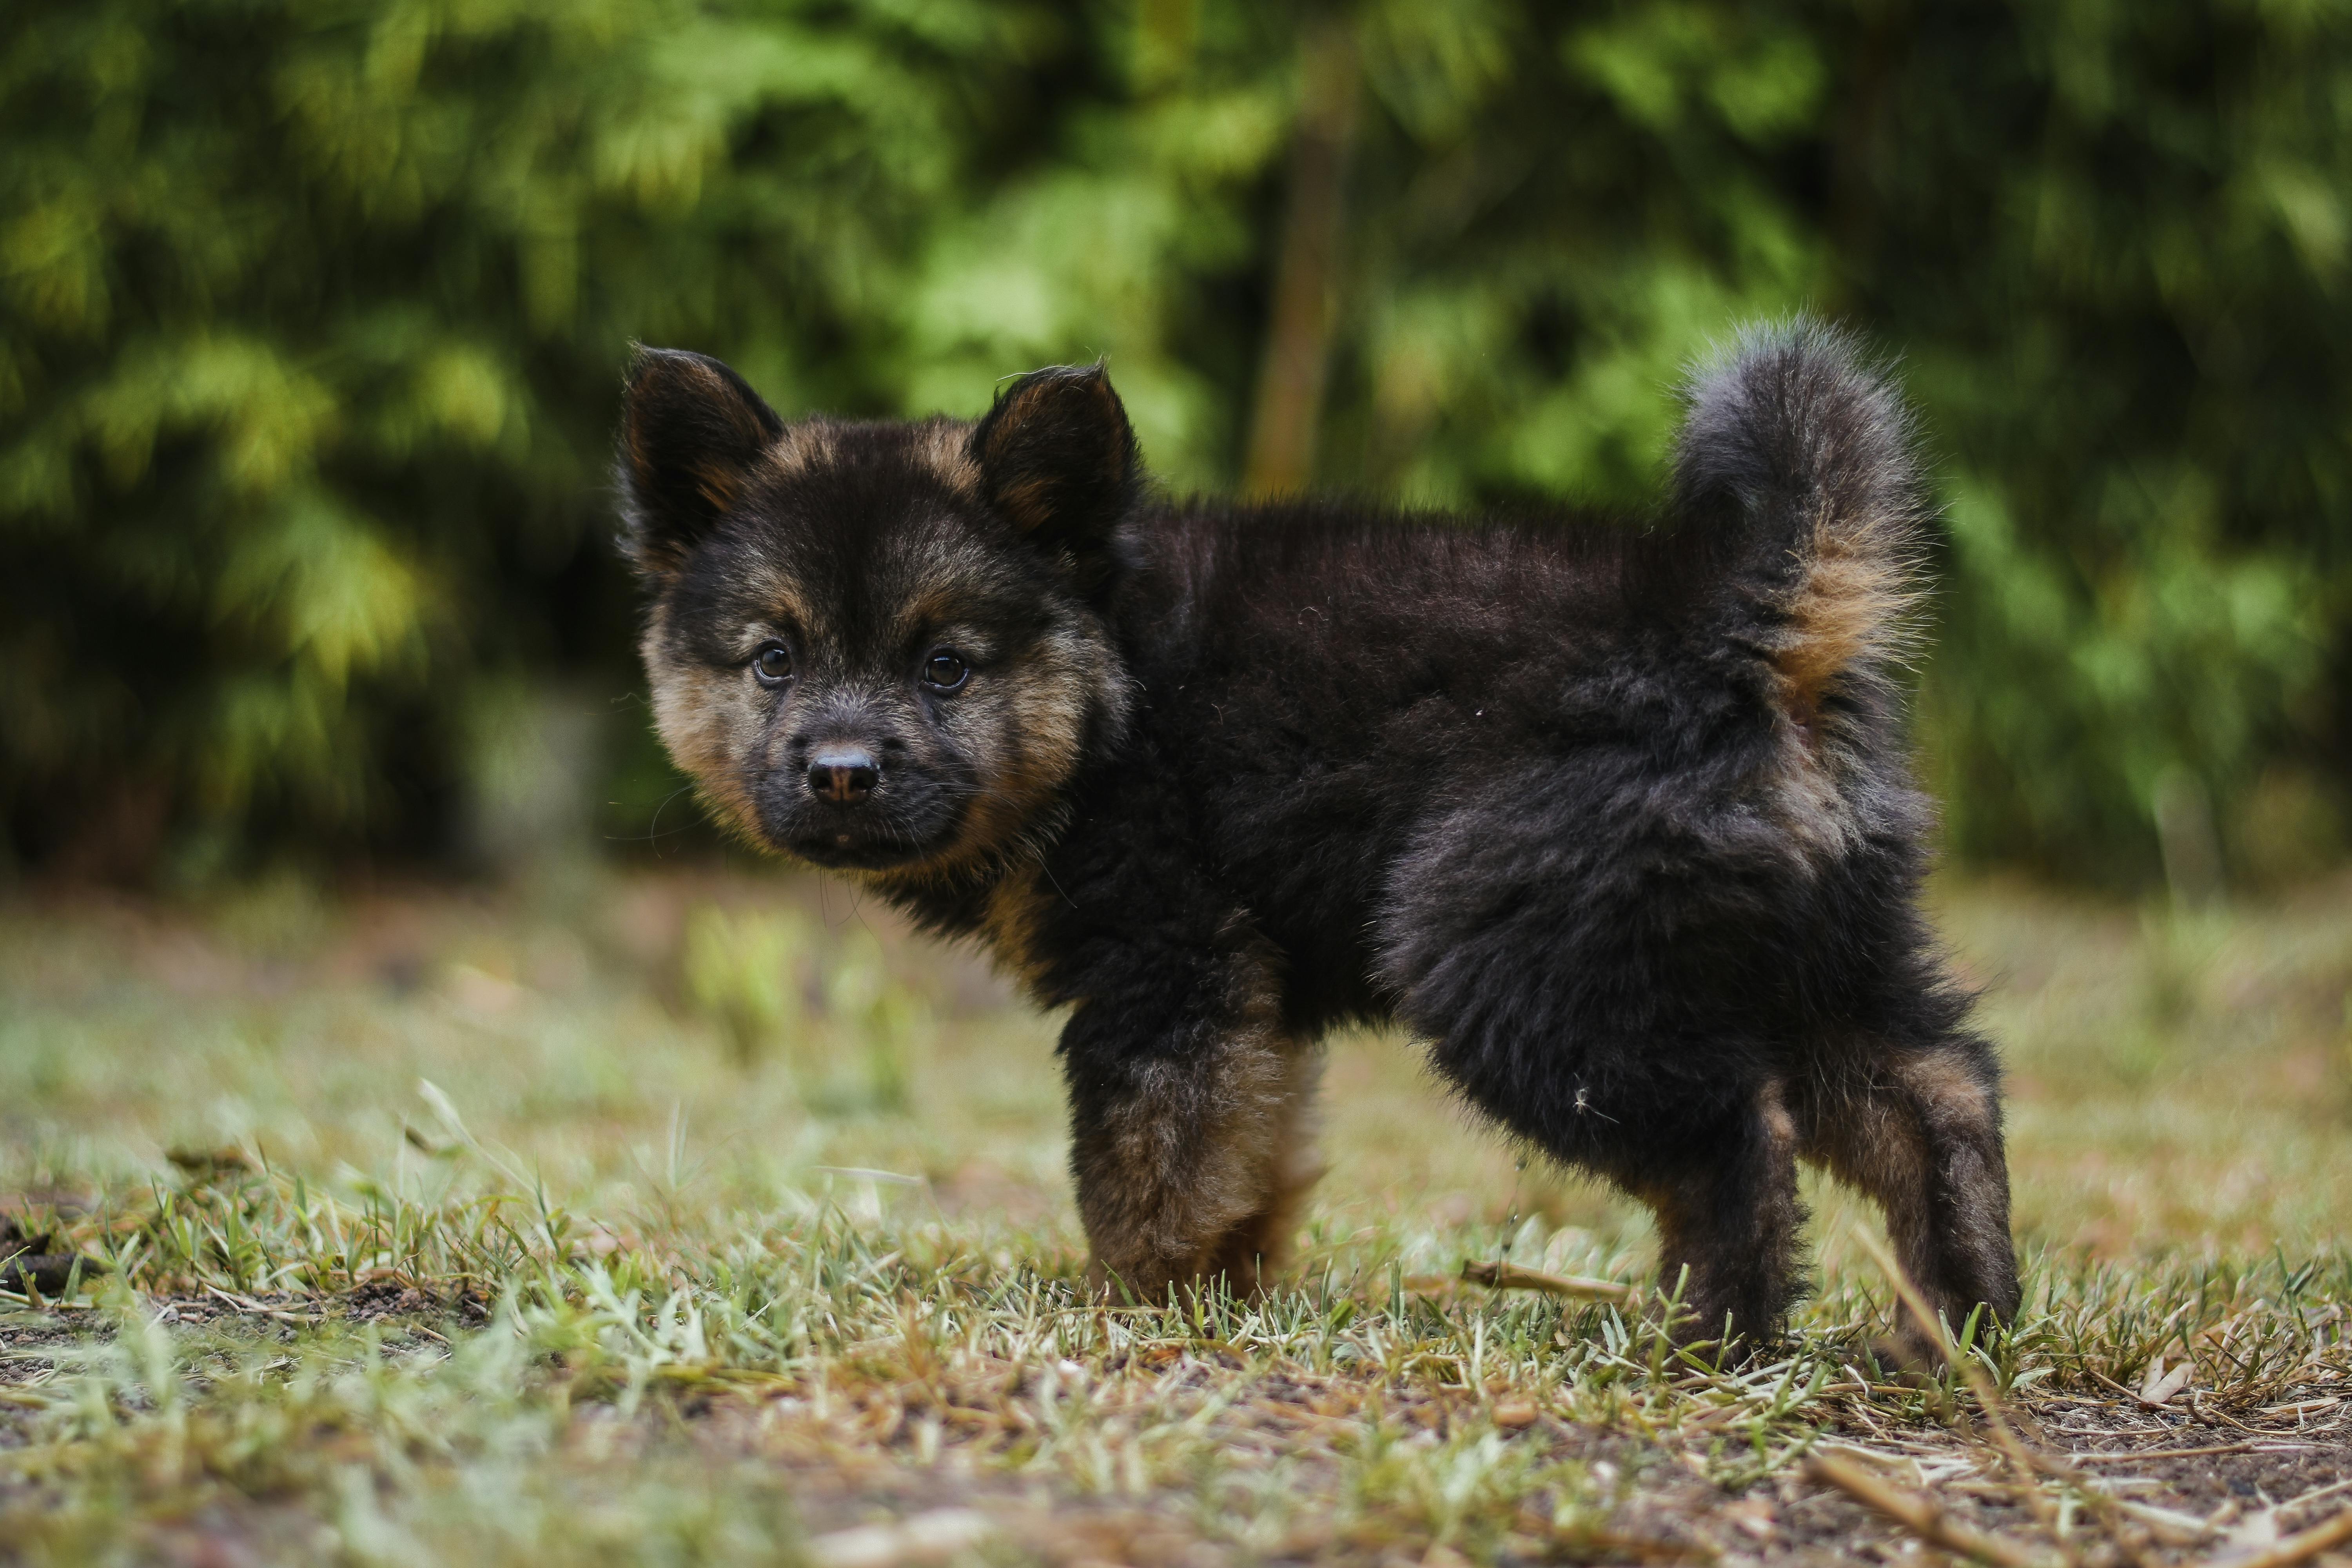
1906 1357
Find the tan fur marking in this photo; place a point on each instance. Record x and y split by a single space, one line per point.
1173 1177
717 486
1924 1144
704 722
1853 607
944 446
1028 504
1772 1109
1009 921
810 444
1253 1252
1874 1142
787 603
1205 1159
1040 721
941 445
929 609
1947 1089
1851 615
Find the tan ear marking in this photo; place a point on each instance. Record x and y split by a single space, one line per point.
1056 452
1028 504
716 486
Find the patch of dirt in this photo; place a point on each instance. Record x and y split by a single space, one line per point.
2186 1484
862 1473
887 1472
378 1300
851 1495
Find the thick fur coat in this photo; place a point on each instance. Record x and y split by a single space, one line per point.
1617 818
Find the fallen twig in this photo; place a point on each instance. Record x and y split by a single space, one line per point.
2197 1407
1922 1517
2166 1523
2131 1394
2117 1458
1511 1277
2305 1499
248 1304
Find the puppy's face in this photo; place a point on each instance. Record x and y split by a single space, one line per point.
874 647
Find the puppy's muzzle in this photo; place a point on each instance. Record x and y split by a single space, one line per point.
842 774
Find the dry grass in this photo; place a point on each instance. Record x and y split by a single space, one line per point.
552 1227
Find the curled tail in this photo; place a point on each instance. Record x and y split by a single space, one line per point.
1796 470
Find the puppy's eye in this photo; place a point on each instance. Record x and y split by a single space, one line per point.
772 664
945 670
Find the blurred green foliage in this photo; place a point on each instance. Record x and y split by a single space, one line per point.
828 1011
312 311
746 971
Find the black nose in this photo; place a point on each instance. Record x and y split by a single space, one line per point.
842 773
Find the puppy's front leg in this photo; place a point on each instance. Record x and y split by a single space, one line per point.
1189 1136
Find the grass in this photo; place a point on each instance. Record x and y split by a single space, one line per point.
429 1226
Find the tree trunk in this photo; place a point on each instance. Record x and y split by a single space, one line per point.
1298 334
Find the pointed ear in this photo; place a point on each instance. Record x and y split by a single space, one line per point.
1058 461
690 431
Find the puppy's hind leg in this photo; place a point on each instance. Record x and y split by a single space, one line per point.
1919 1131
1730 1217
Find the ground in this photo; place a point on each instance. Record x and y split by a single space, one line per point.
422 1224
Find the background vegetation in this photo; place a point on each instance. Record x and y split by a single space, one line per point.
312 311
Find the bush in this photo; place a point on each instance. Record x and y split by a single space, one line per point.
312 312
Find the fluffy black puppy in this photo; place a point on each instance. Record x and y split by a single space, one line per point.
1617 818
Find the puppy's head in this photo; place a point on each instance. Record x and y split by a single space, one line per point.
875 646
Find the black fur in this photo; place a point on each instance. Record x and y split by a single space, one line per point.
1060 461
1618 819
695 422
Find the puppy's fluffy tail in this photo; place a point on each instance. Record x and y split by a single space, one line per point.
1796 475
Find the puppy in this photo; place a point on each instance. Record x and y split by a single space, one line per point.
1617 818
